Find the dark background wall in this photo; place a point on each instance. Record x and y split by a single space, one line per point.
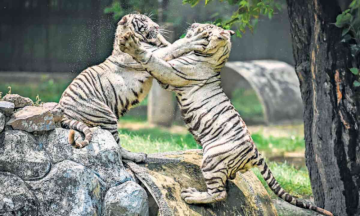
53 35
70 35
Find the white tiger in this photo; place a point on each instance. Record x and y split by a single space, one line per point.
101 94
209 114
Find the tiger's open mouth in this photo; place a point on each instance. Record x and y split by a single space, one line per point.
151 36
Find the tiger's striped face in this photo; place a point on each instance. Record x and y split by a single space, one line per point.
144 28
218 37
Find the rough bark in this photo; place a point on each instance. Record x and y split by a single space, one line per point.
331 105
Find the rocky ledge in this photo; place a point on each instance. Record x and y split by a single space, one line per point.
42 174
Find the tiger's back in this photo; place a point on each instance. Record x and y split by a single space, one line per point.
101 94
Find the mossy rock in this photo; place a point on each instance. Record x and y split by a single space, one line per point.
164 175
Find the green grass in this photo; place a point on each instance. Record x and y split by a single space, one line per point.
248 105
265 144
144 102
282 144
156 140
295 181
133 118
48 90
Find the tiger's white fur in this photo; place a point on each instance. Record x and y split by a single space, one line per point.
209 114
101 94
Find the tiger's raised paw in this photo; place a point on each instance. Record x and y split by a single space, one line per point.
193 196
130 44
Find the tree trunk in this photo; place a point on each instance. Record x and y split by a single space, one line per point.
331 105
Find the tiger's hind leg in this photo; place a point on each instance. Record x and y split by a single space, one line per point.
125 154
136 157
215 179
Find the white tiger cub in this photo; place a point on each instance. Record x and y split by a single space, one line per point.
101 94
209 114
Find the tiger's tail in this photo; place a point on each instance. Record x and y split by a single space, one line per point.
79 126
280 192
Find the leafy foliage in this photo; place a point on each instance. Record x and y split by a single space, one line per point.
349 21
247 14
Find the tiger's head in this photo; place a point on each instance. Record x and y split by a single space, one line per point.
143 27
218 37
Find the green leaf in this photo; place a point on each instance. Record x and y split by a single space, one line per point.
356 83
343 19
207 2
345 31
238 33
193 3
183 35
353 4
354 71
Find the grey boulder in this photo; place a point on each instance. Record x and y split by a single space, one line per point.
18 101
69 189
127 199
2 122
15 197
7 108
101 155
21 155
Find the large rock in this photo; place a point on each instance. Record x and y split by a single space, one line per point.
2 122
101 155
127 199
32 119
15 197
7 108
18 100
52 107
286 209
69 189
22 156
166 174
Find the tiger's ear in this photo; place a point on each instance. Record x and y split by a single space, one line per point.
231 32
123 21
194 25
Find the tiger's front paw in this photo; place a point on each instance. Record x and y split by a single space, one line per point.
199 41
130 44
